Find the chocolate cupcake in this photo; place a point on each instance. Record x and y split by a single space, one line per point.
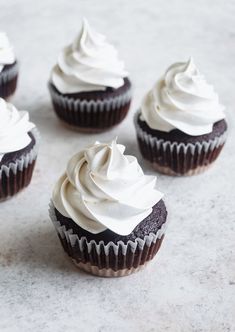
8 67
89 87
181 127
109 216
18 149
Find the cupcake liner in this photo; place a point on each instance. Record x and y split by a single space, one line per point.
91 115
108 260
173 158
18 174
8 81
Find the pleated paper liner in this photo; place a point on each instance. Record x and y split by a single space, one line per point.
91 115
173 158
8 81
17 175
108 260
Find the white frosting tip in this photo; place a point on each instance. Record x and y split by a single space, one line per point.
182 100
89 63
85 22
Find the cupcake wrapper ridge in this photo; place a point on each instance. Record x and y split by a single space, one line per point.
110 260
8 81
174 158
18 174
91 114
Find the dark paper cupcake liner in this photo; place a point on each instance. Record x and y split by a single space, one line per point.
173 158
108 260
91 115
8 81
17 175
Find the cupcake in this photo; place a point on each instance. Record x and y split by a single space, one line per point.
8 67
181 125
89 86
109 216
18 149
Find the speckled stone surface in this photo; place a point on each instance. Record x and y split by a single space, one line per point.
190 286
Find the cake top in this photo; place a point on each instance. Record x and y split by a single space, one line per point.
7 55
103 188
14 128
89 63
182 99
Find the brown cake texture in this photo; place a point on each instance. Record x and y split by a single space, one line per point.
100 256
92 111
177 153
14 178
8 80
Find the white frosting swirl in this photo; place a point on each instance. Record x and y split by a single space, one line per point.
88 64
14 128
103 188
182 100
7 55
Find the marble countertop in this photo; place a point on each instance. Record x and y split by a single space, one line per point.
190 286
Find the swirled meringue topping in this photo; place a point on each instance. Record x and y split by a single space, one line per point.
182 100
90 63
7 55
105 189
14 128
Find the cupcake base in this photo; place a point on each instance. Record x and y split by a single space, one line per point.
8 80
94 111
90 130
112 258
12 183
176 153
16 170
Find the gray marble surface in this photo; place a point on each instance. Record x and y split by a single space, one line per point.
190 286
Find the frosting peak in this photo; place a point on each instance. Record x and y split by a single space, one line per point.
182 100
103 188
7 56
14 128
90 63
